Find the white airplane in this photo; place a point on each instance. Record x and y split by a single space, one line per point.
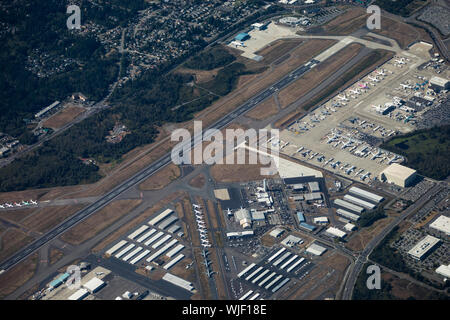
376 155
237 44
352 148
198 211
363 85
355 91
328 161
99 273
320 158
196 206
206 245
2 206
406 86
9 205
374 79
400 61
333 138
17 204
299 149
365 176
357 173
350 170
342 98
381 72
25 203
33 202
394 158
347 144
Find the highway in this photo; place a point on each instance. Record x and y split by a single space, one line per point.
150 170
363 257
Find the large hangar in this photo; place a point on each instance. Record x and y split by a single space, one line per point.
399 175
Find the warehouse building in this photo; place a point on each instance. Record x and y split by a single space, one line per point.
349 227
314 186
442 224
444 270
399 175
240 234
308 227
277 232
359 202
347 214
315 249
348 206
335 232
313 196
243 217
438 83
178 281
242 36
320 220
94 285
161 217
423 247
300 217
79 295
365 194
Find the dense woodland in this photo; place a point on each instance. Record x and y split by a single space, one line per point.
400 7
369 217
427 151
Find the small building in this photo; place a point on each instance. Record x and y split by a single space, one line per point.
260 26
242 36
315 249
423 247
314 186
277 232
399 175
79 295
320 220
349 227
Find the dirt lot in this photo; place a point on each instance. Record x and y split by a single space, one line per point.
200 75
12 240
47 218
403 33
17 215
135 222
63 117
272 51
405 289
198 181
359 241
264 110
99 221
17 275
312 79
162 178
344 24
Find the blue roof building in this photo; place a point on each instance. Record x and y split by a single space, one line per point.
300 216
307 226
242 36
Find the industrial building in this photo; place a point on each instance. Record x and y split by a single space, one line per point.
320 220
438 83
444 270
315 249
277 232
46 109
423 247
291 241
300 217
314 186
79 295
260 26
349 227
313 196
161 217
365 194
307 226
242 36
335 232
399 175
359 202
348 205
240 234
442 224
243 217
94 285
347 214
178 281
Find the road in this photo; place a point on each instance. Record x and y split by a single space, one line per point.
150 170
363 257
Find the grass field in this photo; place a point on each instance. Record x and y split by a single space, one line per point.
427 151
161 178
63 117
17 275
11 241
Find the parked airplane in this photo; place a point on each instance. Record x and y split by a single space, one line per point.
204 253
25 203
198 211
400 61
365 176
9 205
363 85
343 98
350 170
375 79
333 138
33 202
376 155
237 44
355 91
395 157
347 144
381 72
1 206
17 204
196 206
406 86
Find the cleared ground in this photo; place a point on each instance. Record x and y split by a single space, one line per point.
162 178
17 275
264 110
358 241
63 117
12 240
198 181
99 221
